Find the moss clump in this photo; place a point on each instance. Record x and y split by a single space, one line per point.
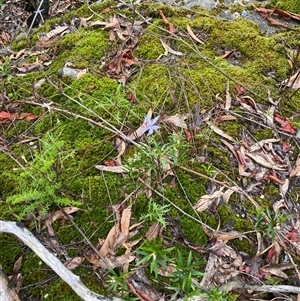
292 5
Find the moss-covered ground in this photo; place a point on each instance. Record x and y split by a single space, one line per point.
167 84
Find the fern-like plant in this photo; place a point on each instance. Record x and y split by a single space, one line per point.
38 182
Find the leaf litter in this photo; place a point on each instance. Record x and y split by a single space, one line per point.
260 161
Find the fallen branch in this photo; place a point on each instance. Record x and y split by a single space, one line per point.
71 279
230 286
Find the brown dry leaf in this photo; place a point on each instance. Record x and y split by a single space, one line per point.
265 161
47 44
224 118
58 31
136 225
286 14
4 38
7 117
74 262
168 49
119 233
177 120
260 144
277 23
227 53
125 220
279 204
226 236
113 23
107 247
121 147
114 169
207 200
17 55
295 172
154 231
228 98
193 36
113 262
28 67
97 23
293 81
277 270
16 279
220 132
167 271
59 214
210 270
83 21
284 187
242 164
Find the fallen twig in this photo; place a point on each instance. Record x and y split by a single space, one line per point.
71 279
230 286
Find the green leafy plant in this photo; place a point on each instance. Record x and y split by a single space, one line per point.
5 64
38 182
152 253
267 223
217 295
208 169
185 274
156 213
155 156
117 283
115 105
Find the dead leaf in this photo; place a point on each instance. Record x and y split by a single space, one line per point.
107 247
228 98
227 53
226 236
28 67
168 49
5 37
171 25
193 36
295 172
293 81
207 200
285 125
106 10
113 262
97 23
7 117
17 55
74 262
114 169
113 23
220 132
58 31
60 215
265 161
177 120
154 231
188 135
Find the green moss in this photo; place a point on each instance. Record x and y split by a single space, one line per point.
169 85
292 5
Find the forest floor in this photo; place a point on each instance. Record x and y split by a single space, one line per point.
154 148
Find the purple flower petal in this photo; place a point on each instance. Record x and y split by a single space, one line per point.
150 125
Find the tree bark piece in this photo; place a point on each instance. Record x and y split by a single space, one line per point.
71 279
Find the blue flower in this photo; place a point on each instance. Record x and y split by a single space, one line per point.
150 125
